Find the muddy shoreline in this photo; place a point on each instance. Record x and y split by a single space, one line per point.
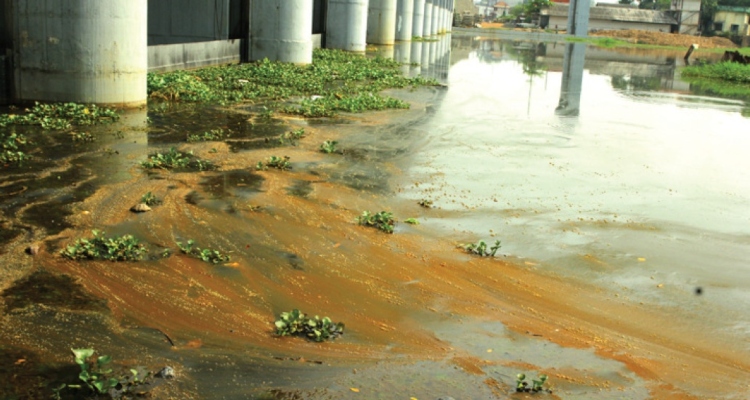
423 318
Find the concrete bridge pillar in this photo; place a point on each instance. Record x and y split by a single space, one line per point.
578 18
347 25
381 22
434 26
451 8
404 19
281 30
84 51
418 19
427 26
440 16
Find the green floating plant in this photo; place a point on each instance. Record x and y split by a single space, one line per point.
120 248
382 220
296 323
480 248
281 163
207 255
329 146
537 385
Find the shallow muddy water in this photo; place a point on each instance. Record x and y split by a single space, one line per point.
613 202
619 174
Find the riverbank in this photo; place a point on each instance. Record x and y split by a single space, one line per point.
423 318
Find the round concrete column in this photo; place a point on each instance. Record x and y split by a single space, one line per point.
281 30
444 17
435 17
449 17
404 19
381 22
438 16
83 51
427 25
347 25
418 19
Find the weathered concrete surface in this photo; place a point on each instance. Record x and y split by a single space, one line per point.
85 51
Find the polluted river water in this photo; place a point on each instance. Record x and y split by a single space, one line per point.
618 193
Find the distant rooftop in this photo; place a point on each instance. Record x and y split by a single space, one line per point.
739 10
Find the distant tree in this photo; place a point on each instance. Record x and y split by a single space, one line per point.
708 10
517 10
626 1
533 7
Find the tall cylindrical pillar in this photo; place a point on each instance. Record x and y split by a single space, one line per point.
346 27
440 7
281 30
446 13
449 16
418 20
84 51
427 26
381 22
434 15
404 19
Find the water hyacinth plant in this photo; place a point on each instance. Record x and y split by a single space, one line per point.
120 248
382 220
336 81
207 255
296 323
276 162
329 146
174 159
480 248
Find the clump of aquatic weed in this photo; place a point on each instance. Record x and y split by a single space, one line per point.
296 323
480 248
425 203
150 199
537 385
281 163
336 81
10 149
329 146
207 255
382 220
176 159
210 136
292 137
61 116
120 248
98 378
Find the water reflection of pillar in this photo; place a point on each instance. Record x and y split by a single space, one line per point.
402 55
572 79
424 61
433 44
442 64
416 57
